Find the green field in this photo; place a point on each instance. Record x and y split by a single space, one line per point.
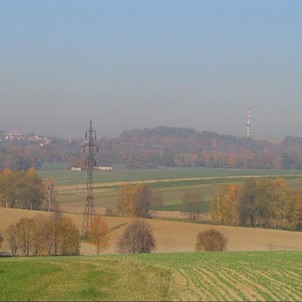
172 183
241 276
118 174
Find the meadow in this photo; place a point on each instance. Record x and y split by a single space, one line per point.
229 276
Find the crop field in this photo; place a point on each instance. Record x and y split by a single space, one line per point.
64 176
226 276
173 236
171 183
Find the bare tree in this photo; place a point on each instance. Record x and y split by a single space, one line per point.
137 238
192 202
211 241
12 239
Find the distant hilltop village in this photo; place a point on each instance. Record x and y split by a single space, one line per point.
17 136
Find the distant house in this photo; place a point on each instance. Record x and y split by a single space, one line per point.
104 168
75 169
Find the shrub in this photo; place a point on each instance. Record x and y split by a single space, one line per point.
137 238
211 241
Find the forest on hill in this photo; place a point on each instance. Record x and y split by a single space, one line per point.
160 146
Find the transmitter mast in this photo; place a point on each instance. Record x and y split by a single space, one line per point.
248 123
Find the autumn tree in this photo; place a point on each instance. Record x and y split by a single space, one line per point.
280 203
98 233
298 214
125 200
264 199
69 237
5 179
137 238
211 241
257 202
25 234
225 204
134 200
192 204
39 236
65 237
21 189
12 238
247 205
50 194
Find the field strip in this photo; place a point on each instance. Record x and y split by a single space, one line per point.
290 279
282 288
190 292
228 278
219 282
243 285
150 181
260 283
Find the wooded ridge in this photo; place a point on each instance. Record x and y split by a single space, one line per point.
160 146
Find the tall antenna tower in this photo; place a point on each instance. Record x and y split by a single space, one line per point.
90 149
248 123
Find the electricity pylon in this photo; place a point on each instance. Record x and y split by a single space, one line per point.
90 149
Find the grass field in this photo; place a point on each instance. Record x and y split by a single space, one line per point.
68 177
228 276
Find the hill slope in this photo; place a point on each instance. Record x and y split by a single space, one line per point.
174 236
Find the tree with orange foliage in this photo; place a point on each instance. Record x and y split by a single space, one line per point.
21 189
224 206
125 200
98 233
134 200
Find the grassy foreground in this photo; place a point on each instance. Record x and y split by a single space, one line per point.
224 276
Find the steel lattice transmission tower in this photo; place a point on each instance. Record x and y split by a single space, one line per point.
90 149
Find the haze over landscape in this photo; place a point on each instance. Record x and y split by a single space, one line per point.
137 64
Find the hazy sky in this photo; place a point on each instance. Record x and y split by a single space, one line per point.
144 63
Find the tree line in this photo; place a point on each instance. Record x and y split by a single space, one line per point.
160 146
38 236
259 202
26 190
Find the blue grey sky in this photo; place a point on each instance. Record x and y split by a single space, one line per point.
143 63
